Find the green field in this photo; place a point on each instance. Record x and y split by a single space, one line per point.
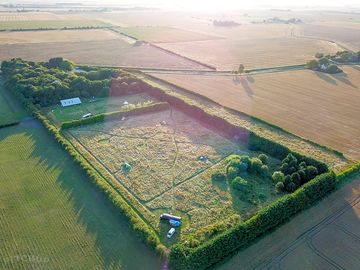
50 215
10 111
95 106
53 24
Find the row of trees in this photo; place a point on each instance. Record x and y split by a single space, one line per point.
47 83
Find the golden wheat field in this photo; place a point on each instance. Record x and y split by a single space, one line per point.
225 54
316 106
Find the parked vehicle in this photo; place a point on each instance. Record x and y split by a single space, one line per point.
170 233
166 216
87 115
174 223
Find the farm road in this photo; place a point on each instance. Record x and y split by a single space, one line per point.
326 236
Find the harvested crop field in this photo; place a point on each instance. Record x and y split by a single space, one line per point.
49 24
164 34
345 35
323 109
225 54
115 52
165 160
56 36
29 16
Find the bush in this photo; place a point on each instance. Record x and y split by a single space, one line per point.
218 176
255 166
231 172
278 177
264 158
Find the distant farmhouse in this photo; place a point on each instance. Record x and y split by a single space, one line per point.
70 102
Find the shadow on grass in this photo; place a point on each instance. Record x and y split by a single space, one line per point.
116 242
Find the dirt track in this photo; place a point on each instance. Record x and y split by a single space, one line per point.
324 237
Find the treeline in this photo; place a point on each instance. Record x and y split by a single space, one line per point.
46 83
144 108
243 234
9 124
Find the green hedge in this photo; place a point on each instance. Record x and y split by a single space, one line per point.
242 235
116 115
146 233
353 169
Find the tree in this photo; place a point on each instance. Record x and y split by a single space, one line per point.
290 187
264 158
231 172
279 186
319 55
255 166
278 177
312 64
311 172
265 172
241 68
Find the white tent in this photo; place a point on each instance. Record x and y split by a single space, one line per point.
70 102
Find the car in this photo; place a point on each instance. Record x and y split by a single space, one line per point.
174 223
170 233
87 115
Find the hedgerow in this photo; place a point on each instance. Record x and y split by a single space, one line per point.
243 234
9 124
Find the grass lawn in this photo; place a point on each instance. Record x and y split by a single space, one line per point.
53 24
95 106
50 215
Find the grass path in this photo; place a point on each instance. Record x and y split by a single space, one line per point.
50 215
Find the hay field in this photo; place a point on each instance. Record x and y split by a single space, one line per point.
50 215
166 174
315 106
254 53
342 33
161 34
56 36
115 52
162 155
